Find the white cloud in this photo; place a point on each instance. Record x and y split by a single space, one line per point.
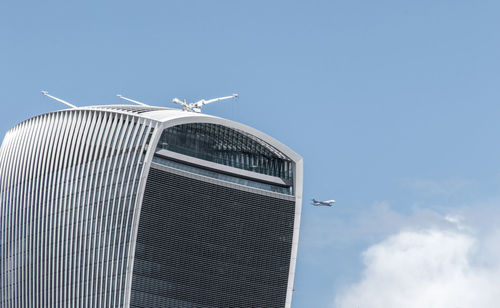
432 268
371 224
457 221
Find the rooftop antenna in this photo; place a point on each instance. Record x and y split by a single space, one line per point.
196 107
58 99
131 100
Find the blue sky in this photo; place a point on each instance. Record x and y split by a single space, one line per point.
394 106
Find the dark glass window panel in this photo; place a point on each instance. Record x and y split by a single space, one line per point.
204 245
227 146
224 177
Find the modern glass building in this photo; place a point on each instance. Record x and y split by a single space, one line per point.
131 206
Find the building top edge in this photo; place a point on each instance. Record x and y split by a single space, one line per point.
172 116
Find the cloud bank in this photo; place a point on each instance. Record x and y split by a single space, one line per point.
431 268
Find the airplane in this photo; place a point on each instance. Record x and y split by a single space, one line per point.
322 203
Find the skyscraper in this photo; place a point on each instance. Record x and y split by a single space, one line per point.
132 206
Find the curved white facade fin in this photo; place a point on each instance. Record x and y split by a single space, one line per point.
67 188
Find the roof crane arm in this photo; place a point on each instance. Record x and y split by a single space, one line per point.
184 105
131 100
178 101
58 99
213 100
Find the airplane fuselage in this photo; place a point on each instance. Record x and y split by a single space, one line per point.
323 203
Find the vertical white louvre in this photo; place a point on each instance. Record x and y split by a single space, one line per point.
68 187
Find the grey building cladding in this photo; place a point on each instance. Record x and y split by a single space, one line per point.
126 206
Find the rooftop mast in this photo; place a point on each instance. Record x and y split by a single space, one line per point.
58 99
131 100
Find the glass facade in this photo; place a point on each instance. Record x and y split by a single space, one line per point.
288 190
226 146
205 245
